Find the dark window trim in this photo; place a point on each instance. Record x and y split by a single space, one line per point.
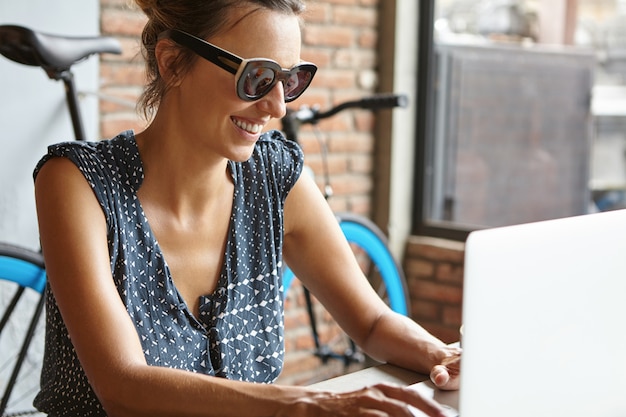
424 116
424 112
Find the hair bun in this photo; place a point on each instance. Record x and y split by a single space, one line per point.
147 6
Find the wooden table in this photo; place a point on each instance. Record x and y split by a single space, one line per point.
370 376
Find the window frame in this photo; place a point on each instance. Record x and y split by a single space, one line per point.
424 110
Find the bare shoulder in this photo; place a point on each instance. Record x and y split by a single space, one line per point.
64 198
58 176
56 168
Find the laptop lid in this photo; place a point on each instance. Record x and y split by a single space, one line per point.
544 315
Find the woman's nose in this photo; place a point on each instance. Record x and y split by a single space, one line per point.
274 102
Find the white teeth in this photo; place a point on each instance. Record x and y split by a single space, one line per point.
248 127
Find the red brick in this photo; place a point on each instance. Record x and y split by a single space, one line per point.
295 318
319 56
452 316
305 342
426 310
335 36
129 74
435 249
361 164
347 58
450 273
122 22
355 16
336 165
354 59
364 121
351 184
445 333
310 145
334 127
419 268
436 292
359 205
312 97
317 12
368 38
351 143
336 78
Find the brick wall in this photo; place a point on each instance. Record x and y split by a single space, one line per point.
434 273
122 76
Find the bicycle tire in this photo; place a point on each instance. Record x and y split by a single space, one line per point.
366 235
23 275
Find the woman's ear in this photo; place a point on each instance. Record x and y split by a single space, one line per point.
166 54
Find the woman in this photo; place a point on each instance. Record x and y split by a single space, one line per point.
164 249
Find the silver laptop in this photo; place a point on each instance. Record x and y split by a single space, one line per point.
544 315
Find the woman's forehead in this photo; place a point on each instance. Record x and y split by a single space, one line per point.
256 32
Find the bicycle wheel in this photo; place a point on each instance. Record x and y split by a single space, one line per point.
384 274
23 280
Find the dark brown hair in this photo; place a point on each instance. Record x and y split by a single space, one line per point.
203 18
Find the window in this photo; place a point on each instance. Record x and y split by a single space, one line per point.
511 124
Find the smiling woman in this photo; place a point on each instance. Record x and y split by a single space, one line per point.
172 241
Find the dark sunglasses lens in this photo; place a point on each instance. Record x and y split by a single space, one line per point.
299 79
258 81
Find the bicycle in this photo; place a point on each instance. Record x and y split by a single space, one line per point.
21 268
381 268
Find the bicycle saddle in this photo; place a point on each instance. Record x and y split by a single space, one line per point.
55 54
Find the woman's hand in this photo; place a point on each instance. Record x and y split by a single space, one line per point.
446 375
377 400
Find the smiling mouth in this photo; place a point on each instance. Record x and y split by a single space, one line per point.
248 127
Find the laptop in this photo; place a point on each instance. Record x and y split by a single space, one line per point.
544 320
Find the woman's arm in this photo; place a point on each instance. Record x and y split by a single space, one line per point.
318 253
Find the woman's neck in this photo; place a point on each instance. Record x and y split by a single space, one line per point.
178 177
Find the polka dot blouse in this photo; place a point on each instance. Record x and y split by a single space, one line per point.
239 332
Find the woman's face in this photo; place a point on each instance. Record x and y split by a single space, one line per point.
210 112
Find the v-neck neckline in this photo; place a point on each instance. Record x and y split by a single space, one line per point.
206 301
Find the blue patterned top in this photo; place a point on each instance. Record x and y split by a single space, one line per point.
239 332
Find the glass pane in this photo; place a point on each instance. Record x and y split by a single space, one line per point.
515 136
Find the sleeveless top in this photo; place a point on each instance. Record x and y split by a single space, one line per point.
239 332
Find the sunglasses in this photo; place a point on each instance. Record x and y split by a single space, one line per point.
254 77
